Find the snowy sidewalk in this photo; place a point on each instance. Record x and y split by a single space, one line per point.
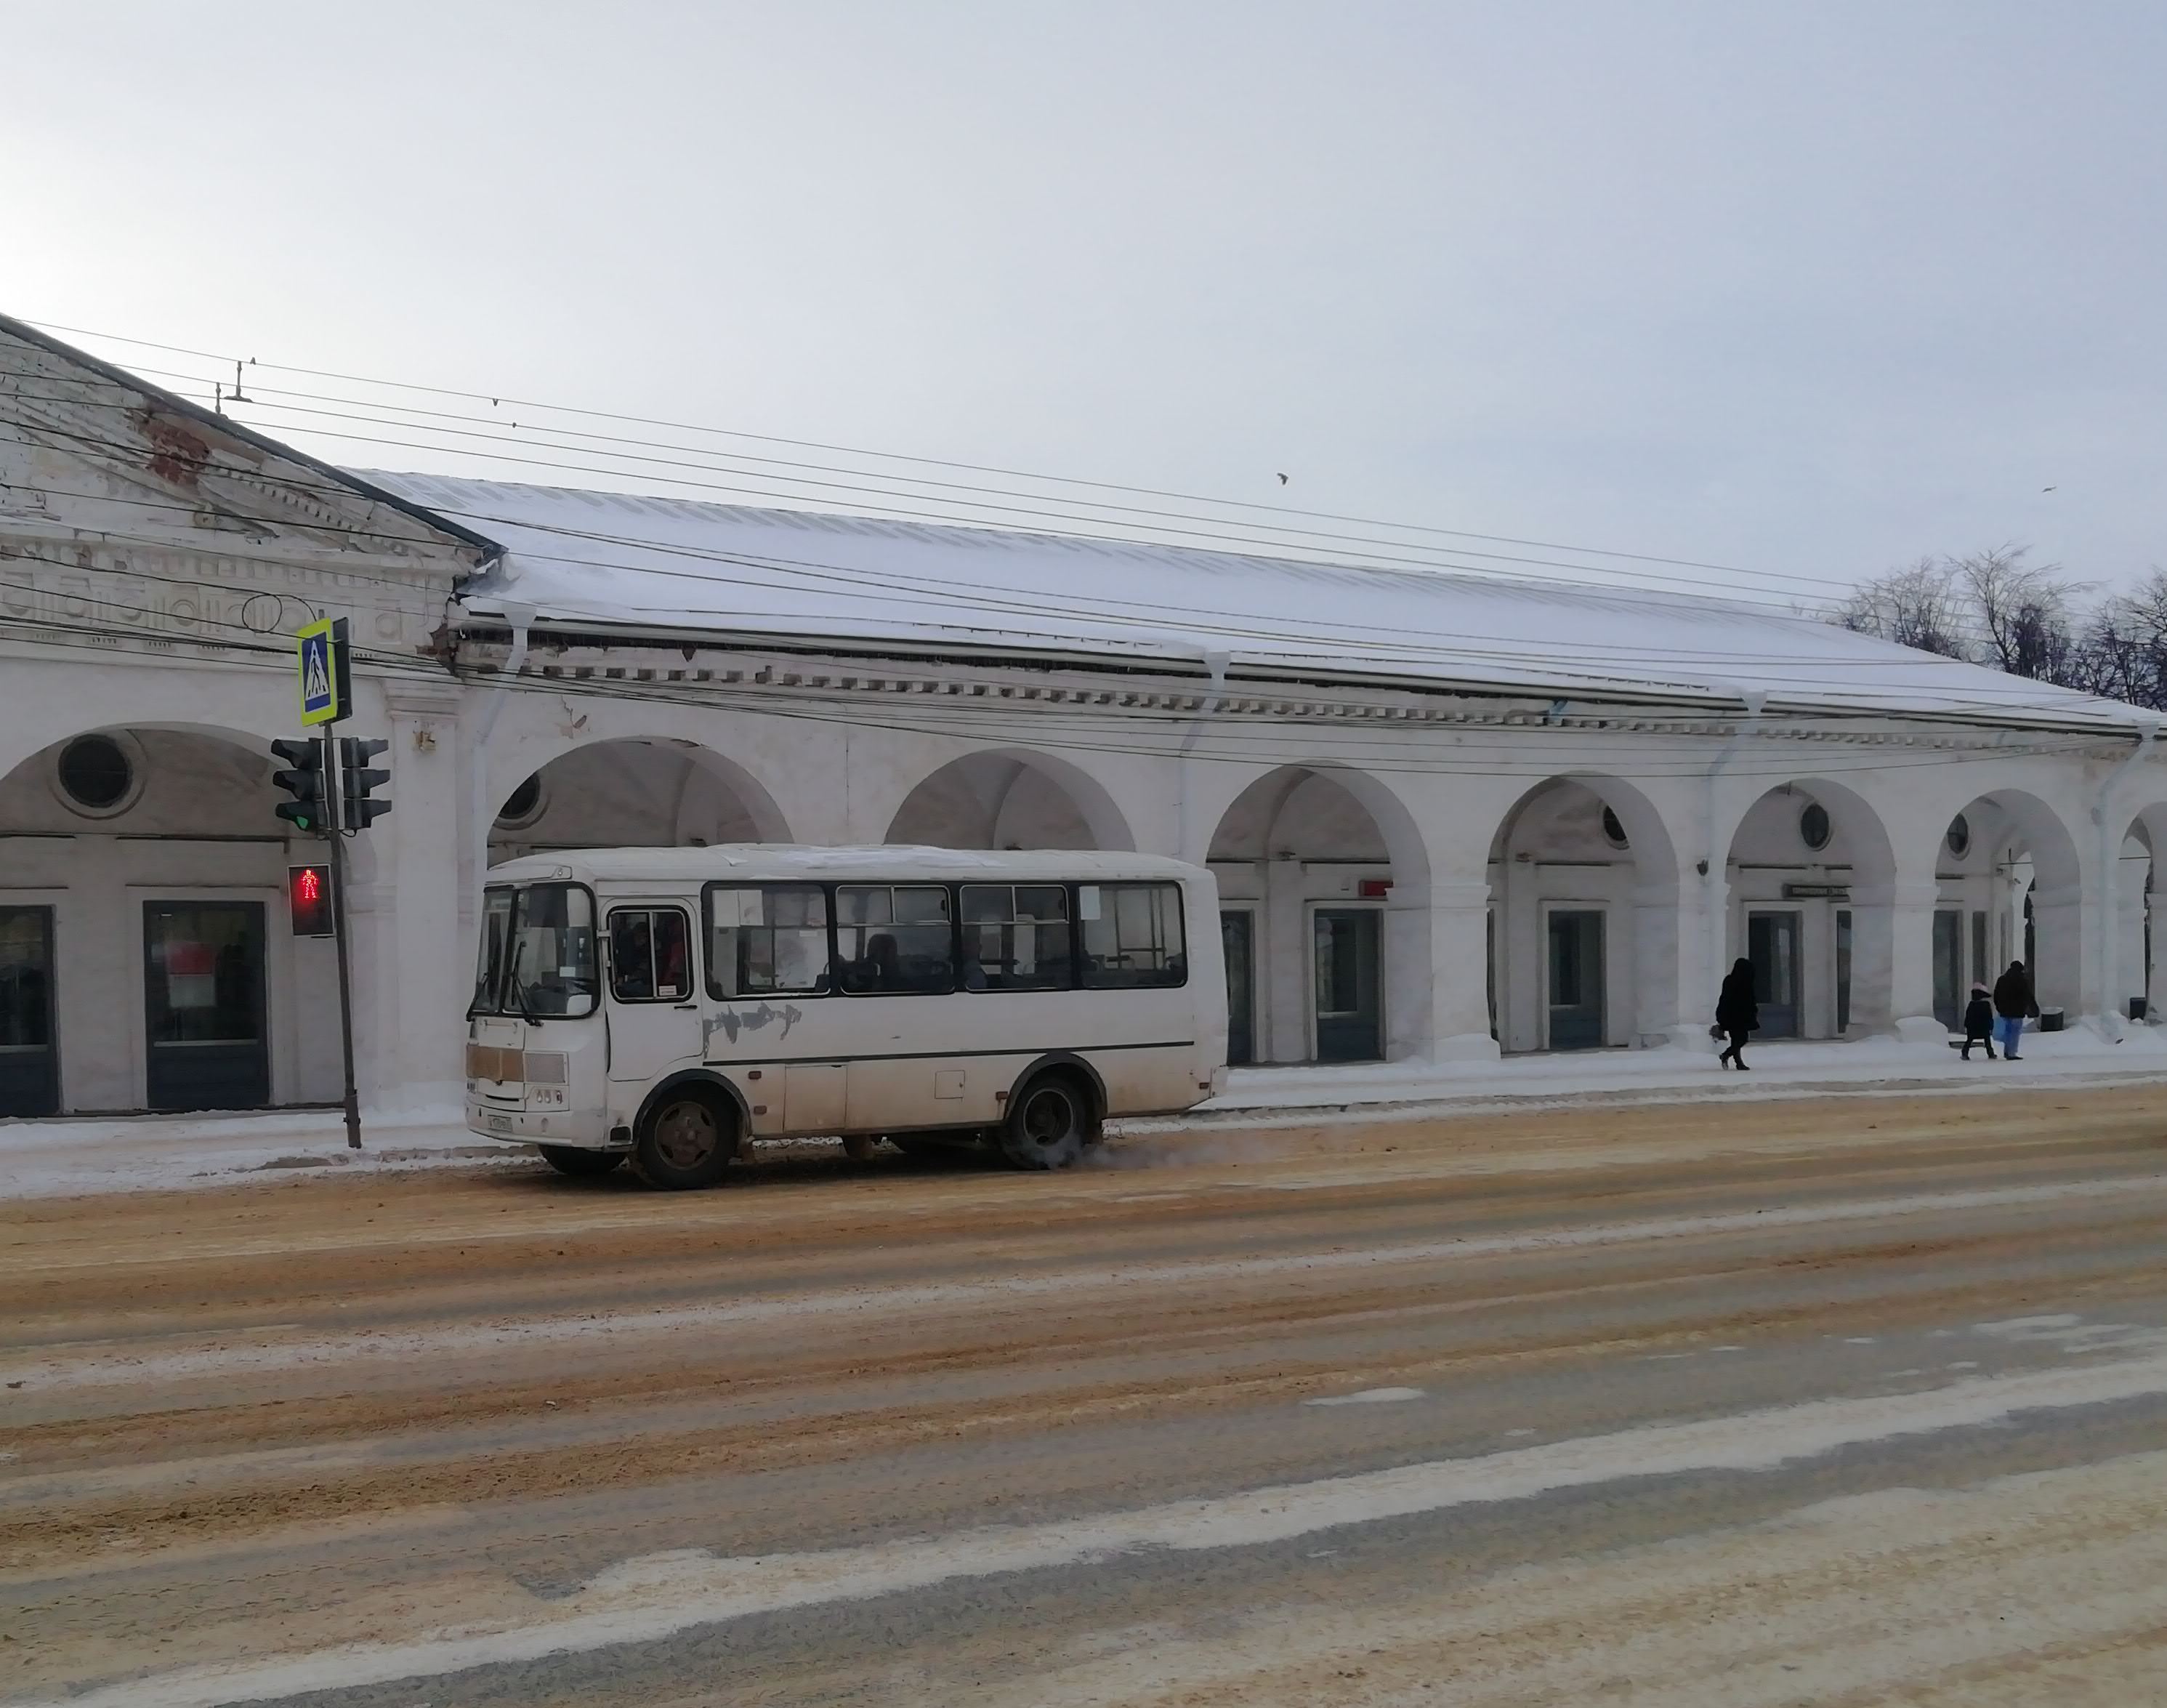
139 1152
51 1159
1778 1070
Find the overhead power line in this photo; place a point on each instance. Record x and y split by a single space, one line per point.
947 587
1351 551
911 460
1347 646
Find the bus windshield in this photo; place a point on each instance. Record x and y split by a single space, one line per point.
537 953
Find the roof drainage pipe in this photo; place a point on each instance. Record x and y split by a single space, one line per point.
480 813
1192 845
2107 1018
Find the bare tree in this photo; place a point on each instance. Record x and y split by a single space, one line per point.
1996 608
2124 645
1914 606
2021 614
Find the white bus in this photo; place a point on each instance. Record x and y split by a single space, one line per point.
670 1004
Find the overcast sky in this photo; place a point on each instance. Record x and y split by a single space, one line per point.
1811 289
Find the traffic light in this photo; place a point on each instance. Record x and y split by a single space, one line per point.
309 894
305 783
356 780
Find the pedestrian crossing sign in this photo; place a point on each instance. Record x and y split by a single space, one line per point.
327 691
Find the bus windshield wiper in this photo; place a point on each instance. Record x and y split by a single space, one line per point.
519 990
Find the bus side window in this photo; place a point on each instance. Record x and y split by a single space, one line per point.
766 940
648 958
1132 936
893 940
631 955
1015 936
673 959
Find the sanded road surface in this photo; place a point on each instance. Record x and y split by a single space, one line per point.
1853 1400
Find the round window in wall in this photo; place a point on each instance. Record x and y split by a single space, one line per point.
1814 827
96 775
525 804
1958 838
1613 829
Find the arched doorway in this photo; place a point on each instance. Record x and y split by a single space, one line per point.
1583 923
2008 866
1810 873
2137 881
1010 798
1307 870
148 958
634 793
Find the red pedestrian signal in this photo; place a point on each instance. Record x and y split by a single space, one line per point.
309 889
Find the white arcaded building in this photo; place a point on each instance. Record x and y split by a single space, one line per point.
1450 815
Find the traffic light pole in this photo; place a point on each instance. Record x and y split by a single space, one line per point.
333 823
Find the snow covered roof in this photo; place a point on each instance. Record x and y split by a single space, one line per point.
611 560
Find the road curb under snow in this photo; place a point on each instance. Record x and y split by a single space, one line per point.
90 1154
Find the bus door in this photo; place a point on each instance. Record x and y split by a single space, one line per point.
654 1023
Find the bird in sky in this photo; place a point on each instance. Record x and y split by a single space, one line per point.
2050 488
1283 479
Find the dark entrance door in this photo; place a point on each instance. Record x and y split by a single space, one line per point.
203 988
1843 971
29 1067
1772 944
1350 1006
1949 967
1577 979
1237 937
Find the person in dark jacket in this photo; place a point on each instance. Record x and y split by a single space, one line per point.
1737 1012
1979 1022
2013 1005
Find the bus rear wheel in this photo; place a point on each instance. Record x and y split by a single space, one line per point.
1050 1124
686 1141
579 1163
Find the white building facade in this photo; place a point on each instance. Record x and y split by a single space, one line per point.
1450 817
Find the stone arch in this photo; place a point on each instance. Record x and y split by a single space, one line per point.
208 779
2140 883
632 791
103 896
1305 856
1584 941
1010 798
1817 919
2023 870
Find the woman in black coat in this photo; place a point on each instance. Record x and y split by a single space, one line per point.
1736 1012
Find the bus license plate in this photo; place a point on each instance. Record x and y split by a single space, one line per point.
498 1123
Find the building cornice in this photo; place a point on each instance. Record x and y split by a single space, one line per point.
751 678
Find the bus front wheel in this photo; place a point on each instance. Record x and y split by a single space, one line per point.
577 1163
686 1141
1050 1124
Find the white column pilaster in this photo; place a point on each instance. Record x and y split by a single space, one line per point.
1436 974
421 959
